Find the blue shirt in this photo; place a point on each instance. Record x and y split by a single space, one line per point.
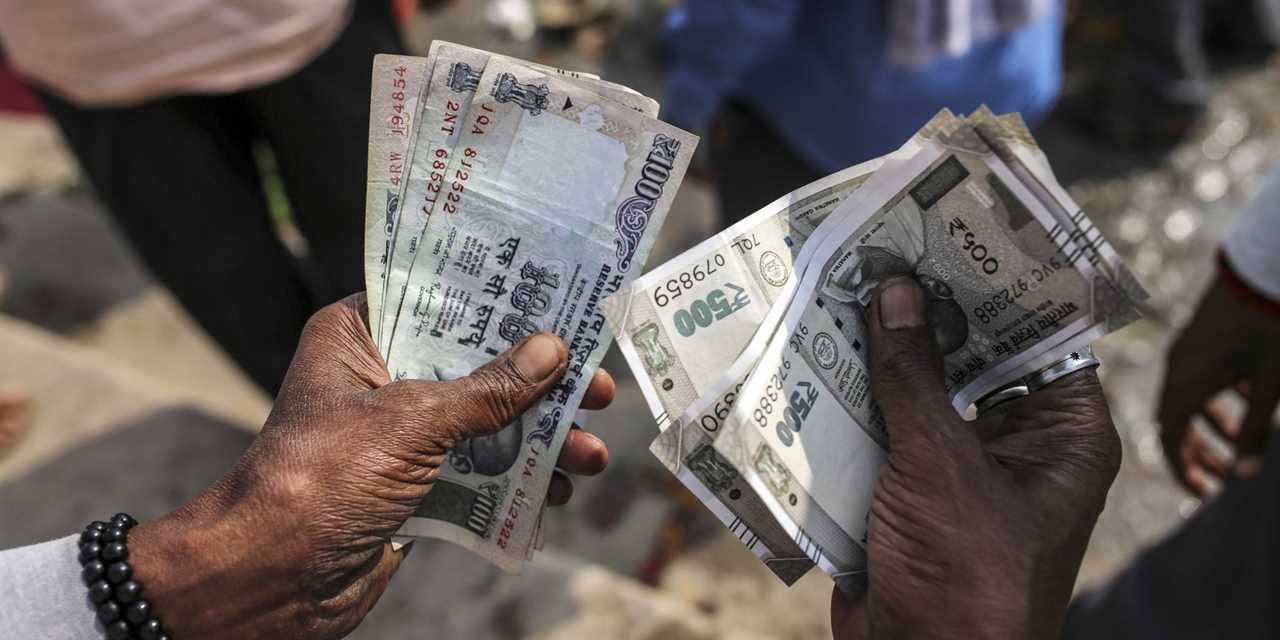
818 71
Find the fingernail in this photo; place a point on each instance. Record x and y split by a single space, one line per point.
537 358
901 303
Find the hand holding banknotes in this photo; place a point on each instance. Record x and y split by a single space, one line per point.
295 541
977 528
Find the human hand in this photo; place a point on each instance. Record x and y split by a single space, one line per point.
977 529
295 541
1230 343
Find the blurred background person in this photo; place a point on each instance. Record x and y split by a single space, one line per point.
788 91
1217 576
163 103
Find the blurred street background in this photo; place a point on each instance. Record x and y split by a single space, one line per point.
118 374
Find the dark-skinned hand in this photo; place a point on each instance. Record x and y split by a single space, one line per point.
295 540
1231 343
977 528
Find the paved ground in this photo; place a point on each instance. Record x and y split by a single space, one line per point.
119 374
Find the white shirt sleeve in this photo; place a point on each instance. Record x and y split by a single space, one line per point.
43 595
1252 244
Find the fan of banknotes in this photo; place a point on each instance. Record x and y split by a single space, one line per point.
505 198
751 347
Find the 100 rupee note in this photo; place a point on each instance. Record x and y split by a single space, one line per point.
453 74
397 82
553 197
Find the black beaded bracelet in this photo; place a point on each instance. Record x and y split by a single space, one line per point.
104 554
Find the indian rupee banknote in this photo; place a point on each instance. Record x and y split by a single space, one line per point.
453 73
1006 294
397 83
688 453
553 195
762 252
682 323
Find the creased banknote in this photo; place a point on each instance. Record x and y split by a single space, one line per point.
1007 291
550 201
683 323
755 261
717 369
453 74
397 83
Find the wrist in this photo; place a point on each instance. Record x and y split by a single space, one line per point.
1021 596
209 572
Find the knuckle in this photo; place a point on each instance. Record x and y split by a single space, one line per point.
494 397
398 401
906 368
410 410
327 316
335 329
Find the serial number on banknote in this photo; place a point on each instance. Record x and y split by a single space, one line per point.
1005 297
678 284
795 408
397 123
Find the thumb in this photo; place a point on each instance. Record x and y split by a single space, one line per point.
492 396
906 368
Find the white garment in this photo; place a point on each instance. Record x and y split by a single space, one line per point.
109 52
1253 242
42 593
920 30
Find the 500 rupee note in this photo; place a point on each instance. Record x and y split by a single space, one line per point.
1004 294
729 357
681 324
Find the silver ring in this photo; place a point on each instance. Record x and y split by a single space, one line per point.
1081 359
1000 396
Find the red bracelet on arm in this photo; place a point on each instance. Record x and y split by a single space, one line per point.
1228 276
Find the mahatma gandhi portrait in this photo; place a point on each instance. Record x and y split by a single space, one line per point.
895 249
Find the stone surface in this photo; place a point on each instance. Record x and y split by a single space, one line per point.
64 262
33 158
79 393
145 467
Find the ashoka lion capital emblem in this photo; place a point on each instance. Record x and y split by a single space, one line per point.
657 359
530 97
462 78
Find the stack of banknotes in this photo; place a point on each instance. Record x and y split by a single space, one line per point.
751 347
505 198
